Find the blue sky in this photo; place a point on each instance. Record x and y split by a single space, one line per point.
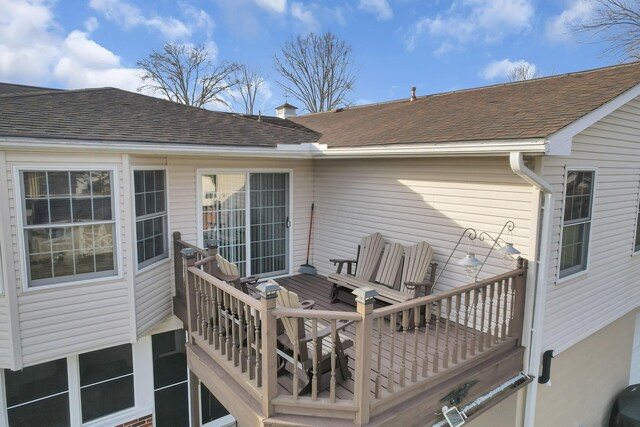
434 45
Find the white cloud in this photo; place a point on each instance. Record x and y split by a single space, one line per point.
559 27
305 16
91 24
380 7
33 50
501 69
129 16
487 21
277 6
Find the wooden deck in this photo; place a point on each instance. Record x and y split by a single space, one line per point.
317 288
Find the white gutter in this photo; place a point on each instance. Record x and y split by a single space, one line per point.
540 296
299 151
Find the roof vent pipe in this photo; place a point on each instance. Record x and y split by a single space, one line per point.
413 93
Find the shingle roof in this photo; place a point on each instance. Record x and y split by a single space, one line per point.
115 115
11 89
524 110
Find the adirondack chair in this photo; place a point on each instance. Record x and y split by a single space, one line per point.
228 272
400 276
299 333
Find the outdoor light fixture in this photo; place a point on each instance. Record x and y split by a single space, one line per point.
472 264
508 251
268 289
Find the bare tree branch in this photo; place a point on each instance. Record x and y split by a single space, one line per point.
186 75
522 72
617 23
249 83
317 71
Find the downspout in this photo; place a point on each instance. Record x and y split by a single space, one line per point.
540 291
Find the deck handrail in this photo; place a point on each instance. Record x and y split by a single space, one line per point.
241 334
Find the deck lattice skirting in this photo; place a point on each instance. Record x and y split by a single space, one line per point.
399 350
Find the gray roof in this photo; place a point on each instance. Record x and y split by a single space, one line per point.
12 89
110 114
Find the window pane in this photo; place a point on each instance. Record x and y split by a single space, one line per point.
59 184
82 210
41 267
159 180
211 408
36 382
575 239
106 398
138 181
101 183
172 406
37 211
80 183
35 184
169 358
105 364
50 412
102 209
60 210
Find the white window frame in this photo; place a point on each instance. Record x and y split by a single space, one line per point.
570 276
19 199
200 172
153 262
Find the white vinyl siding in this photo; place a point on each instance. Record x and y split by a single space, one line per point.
636 240
408 200
5 339
153 296
609 289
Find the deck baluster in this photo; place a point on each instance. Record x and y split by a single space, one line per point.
403 363
456 346
208 322
512 305
474 331
483 313
427 332
447 320
437 355
496 334
228 322
392 351
296 357
416 330
491 291
332 384
379 358
198 284
241 335
250 347
314 372
258 341
505 296
221 318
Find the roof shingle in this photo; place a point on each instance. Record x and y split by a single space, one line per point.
525 110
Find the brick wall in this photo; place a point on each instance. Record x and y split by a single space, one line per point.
146 421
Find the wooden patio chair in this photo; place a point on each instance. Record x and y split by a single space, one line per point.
299 333
228 272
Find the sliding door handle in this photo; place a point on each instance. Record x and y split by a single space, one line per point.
287 223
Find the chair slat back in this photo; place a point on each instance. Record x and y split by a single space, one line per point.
390 264
370 251
290 300
227 267
417 259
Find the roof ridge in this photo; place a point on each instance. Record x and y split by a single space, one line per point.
54 92
477 88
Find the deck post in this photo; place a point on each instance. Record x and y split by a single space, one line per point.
268 294
188 260
364 332
520 285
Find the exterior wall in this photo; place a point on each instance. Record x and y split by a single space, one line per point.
408 200
5 339
153 296
68 319
586 378
581 305
183 209
504 414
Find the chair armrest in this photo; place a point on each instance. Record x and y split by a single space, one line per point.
323 333
307 304
341 262
225 277
251 280
426 285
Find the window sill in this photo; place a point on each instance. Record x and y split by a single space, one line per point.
119 279
119 417
153 266
572 278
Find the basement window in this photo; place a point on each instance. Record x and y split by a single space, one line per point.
576 225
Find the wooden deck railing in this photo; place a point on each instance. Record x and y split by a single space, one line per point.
430 335
399 349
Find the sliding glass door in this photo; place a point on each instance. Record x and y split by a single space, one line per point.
248 214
